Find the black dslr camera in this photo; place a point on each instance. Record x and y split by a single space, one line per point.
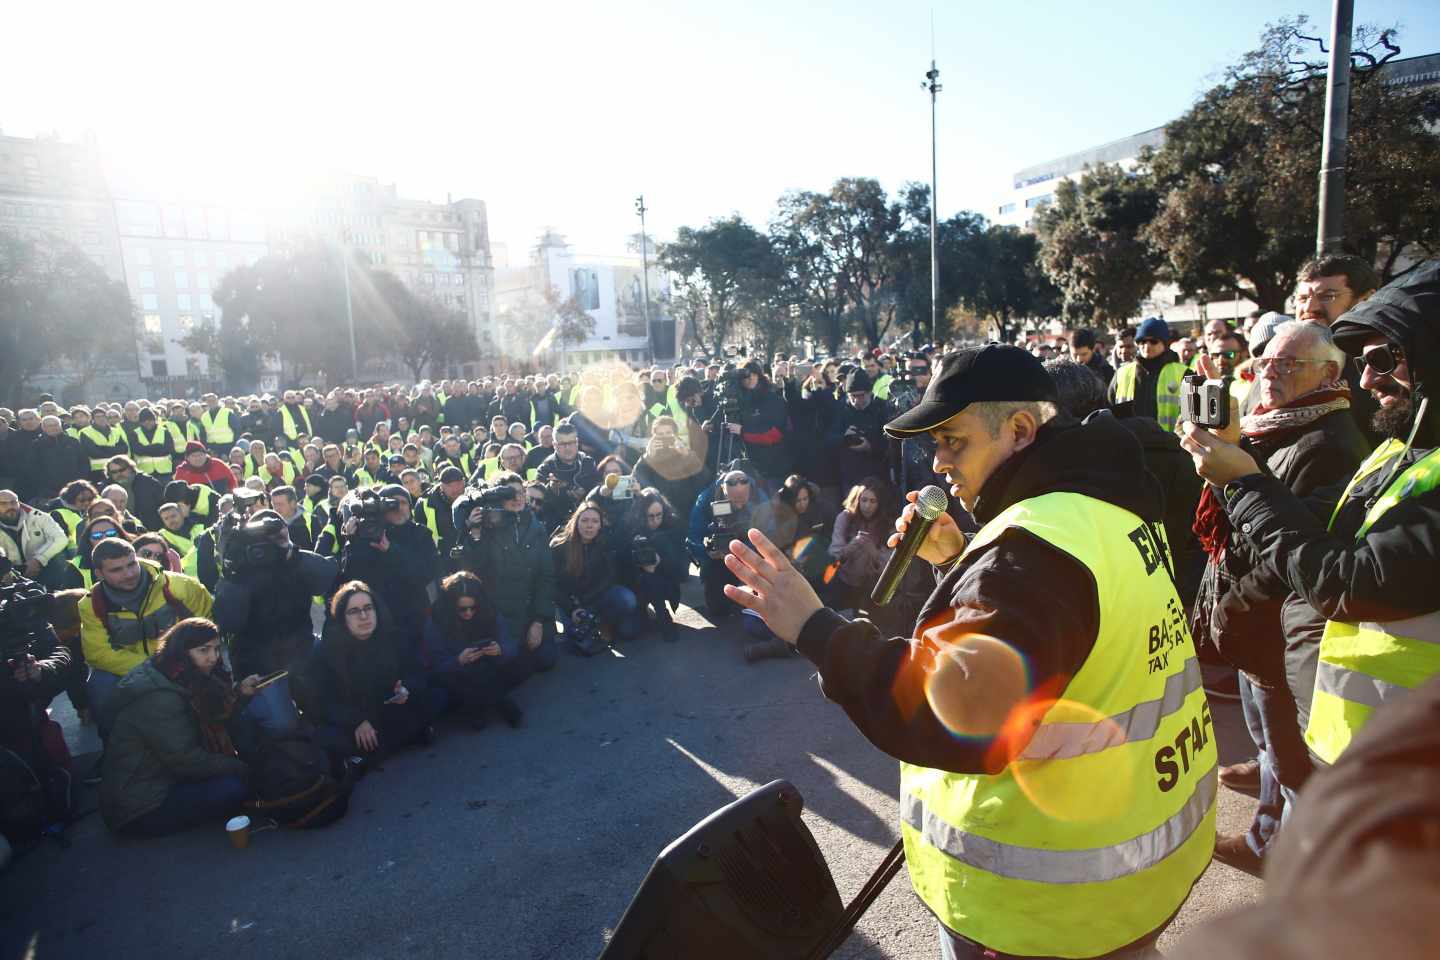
25 611
643 552
722 526
1205 403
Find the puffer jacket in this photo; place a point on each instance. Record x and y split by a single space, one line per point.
155 742
40 537
116 641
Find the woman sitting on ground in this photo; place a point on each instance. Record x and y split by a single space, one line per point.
587 590
169 762
653 557
152 546
470 652
363 687
858 545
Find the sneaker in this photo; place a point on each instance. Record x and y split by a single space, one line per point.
511 712
1241 776
1235 852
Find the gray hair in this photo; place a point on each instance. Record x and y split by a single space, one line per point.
1077 387
1316 334
994 413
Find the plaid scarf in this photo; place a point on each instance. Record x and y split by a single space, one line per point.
212 697
1266 427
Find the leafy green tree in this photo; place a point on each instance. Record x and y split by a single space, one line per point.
56 303
1238 172
1012 285
714 268
1091 244
961 249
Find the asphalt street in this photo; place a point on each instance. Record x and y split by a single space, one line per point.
519 843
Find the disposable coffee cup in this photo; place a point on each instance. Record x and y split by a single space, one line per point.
238 829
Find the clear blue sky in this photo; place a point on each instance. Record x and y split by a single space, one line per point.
560 113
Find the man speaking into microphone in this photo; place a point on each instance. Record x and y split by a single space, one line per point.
1057 784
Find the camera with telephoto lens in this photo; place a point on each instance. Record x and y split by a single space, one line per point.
368 508
731 388
722 526
643 552
1205 403
25 612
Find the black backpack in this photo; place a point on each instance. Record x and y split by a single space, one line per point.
293 785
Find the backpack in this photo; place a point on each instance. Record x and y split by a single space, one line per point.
293 785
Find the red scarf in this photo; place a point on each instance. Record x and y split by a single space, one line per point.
212 698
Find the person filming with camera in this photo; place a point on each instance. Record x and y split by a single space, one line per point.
1044 746
655 565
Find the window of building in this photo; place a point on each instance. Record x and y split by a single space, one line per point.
452 242
149 302
187 323
152 324
1006 208
1036 201
182 301
90 238
30 161
142 256
177 258
427 278
147 278
182 280
202 280
158 367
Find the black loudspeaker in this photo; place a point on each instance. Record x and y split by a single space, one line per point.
748 881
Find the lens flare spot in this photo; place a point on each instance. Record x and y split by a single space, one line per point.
974 682
1104 788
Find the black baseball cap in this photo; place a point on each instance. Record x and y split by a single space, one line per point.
995 371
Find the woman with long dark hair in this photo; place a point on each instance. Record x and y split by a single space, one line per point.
470 652
363 687
586 582
858 543
169 761
801 529
653 557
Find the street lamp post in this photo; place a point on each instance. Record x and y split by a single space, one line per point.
349 314
932 78
645 272
1330 233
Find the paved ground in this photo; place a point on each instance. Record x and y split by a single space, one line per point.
518 844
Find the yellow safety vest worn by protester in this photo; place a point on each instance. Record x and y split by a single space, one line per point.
289 427
154 464
181 543
1365 665
113 440
1167 390
1091 838
116 641
217 426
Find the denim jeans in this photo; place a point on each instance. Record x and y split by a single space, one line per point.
616 608
98 689
192 804
1275 729
273 710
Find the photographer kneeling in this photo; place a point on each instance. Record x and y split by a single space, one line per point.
589 595
655 564
713 524
169 762
262 602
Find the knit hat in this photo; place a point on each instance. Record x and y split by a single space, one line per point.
1153 328
858 381
1264 331
194 446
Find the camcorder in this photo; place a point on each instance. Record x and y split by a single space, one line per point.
722 526
643 552
368 508
492 503
731 388
1205 403
853 437
25 612
251 547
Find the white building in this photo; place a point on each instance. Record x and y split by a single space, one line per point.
1035 184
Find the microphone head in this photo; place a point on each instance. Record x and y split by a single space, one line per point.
931 502
612 480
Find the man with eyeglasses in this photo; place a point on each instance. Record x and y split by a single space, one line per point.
1369 565
568 470
1149 385
32 541
1302 427
145 492
708 549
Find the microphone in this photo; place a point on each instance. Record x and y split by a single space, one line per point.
929 505
612 480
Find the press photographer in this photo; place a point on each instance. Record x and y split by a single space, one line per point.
729 513
384 548
34 774
262 603
751 422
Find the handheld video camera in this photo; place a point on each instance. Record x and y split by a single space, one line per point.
368 508
720 532
25 611
251 547
1205 403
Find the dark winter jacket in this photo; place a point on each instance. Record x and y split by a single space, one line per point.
1173 467
598 573
514 564
155 742
267 613
346 682
764 426
49 463
672 571
853 465
993 592
1146 379
332 425
399 575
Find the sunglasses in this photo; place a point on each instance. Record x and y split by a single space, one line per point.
103 534
1224 354
1381 358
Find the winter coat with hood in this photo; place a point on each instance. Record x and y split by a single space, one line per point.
992 591
155 742
1389 573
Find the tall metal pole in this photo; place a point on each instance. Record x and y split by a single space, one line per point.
645 272
933 85
349 315
1330 233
